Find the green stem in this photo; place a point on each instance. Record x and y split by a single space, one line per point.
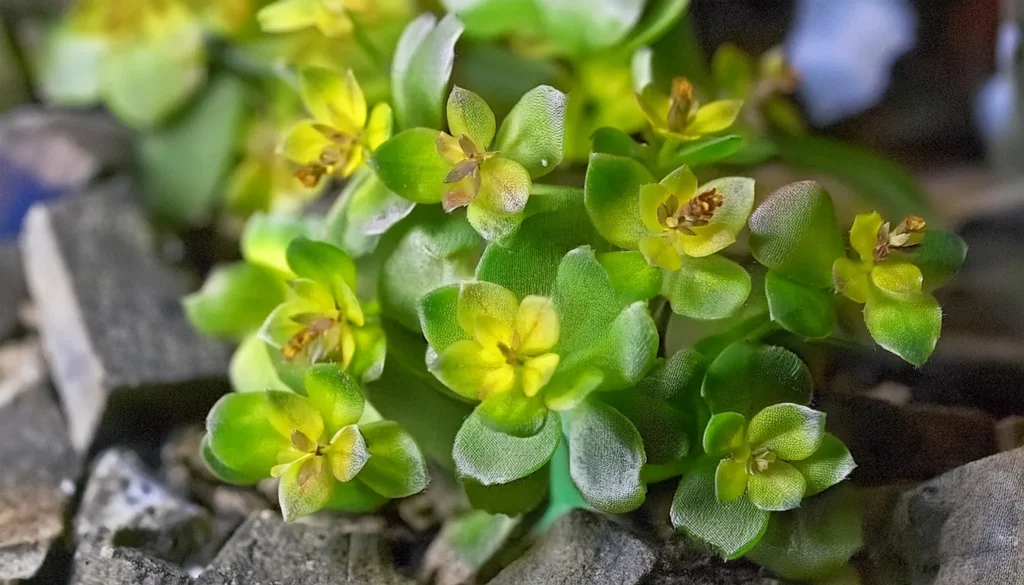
563 496
658 473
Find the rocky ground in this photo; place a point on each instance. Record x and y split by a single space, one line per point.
104 385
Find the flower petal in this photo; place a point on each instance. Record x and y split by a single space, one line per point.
850 278
470 371
469 114
660 252
901 278
306 487
504 186
682 183
380 126
332 99
303 143
485 298
347 453
652 196
537 325
288 15
730 479
537 373
779 488
864 235
715 117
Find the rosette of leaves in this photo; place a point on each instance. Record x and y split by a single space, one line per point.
764 450
315 442
678 225
473 165
340 136
322 320
531 363
142 59
795 234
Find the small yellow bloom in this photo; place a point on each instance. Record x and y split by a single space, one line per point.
874 240
681 117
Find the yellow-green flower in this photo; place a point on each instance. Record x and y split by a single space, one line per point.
509 345
340 136
873 240
685 220
332 17
764 86
263 181
680 116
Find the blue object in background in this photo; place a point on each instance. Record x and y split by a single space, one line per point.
19 189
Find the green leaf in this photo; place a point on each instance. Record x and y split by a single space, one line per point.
794 232
606 455
712 287
252 369
241 435
396 467
354 497
513 498
438 311
265 239
334 395
440 250
778 488
631 276
321 262
579 27
527 262
800 308
469 114
612 197
939 257
409 164
475 537
726 432
490 457
665 428
234 300
533 132
907 325
513 413
732 528
813 541
827 466
306 486
185 160
746 378
880 183
658 17
704 151
221 471
420 70
363 211
584 299
609 140
493 18
411 396
791 431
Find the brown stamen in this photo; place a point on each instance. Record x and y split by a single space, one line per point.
681 104
698 211
310 175
304 338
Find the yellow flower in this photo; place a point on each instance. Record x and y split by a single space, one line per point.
339 137
680 116
874 240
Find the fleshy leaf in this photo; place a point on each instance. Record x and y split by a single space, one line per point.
851 279
364 211
221 471
660 252
347 453
712 287
779 488
253 369
799 308
794 232
897 278
420 70
907 325
288 412
726 432
490 457
746 378
864 235
234 300
469 114
533 132
265 239
791 431
306 487
241 435
334 395
612 196
409 165
705 151
438 311
606 455
610 140
512 498
321 262
354 497
481 298
396 467
827 466
731 527
631 275
513 413
939 257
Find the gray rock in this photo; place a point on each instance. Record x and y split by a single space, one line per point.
966 527
39 466
125 566
61 149
122 505
12 288
266 551
124 359
682 562
1010 433
582 547
916 441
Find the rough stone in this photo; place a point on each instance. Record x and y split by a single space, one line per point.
124 506
38 464
125 566
12 288
912 442
682 562
266 551
1010 433
582 547
125 360
966 527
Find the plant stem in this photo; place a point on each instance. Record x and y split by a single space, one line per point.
658 473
